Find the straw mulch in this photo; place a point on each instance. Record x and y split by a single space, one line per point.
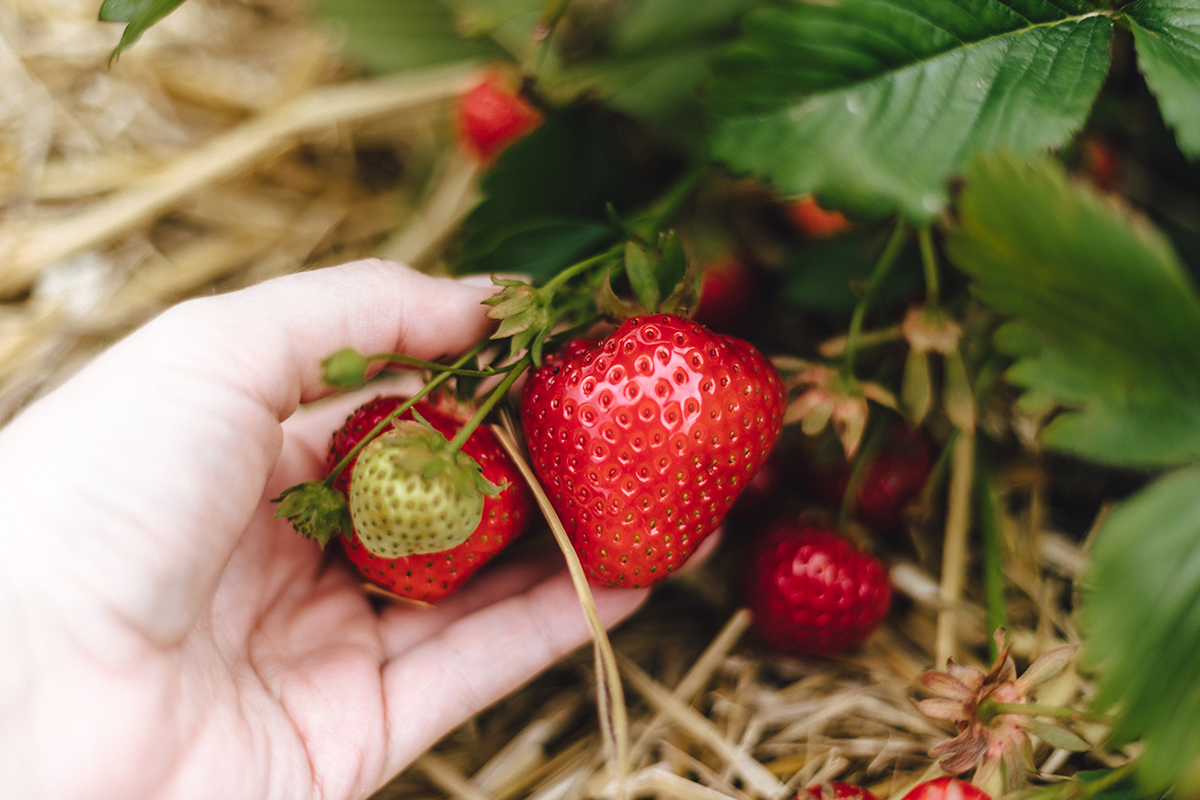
231 145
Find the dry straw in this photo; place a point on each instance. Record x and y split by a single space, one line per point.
231 145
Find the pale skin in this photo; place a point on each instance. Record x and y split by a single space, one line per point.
162 636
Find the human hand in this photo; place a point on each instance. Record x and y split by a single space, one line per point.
164 636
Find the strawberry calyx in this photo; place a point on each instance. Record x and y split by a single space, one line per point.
316 510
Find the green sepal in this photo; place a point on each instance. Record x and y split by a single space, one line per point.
523 312
425 454
345 369
639 269
316 511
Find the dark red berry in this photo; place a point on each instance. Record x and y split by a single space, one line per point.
813 591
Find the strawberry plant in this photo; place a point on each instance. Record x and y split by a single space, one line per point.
1018 321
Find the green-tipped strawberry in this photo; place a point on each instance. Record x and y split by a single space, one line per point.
432 576
408 495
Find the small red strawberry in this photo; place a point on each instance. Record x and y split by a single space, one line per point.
727 291
892 478
491 117
815 222
812 591
836 790
644 440
431 576
946 788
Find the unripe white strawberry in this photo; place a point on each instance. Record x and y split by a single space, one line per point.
408 496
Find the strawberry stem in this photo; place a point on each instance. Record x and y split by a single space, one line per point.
514 371
558 280
929 262
433 366
989 709
886 259
382 425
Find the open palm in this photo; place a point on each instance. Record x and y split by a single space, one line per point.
163 636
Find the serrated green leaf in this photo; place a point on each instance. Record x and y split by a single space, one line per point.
656 55
1141 623
875 104
140 14
1166 34
1107 323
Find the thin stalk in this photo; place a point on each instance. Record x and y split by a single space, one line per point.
433 366
486 407
886 259
610 695
381 426
993 557
929 262
558 280
954 548
989 709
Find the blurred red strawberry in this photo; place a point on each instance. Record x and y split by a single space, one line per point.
727 293
815 222
491 116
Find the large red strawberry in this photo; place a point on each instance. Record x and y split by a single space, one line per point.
492 116
812 591
946 788
644 440
431 576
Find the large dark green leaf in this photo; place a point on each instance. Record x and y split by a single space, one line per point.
874 104
1141 615
541 250
139 14
1167 36
548 192
1107 322
656 55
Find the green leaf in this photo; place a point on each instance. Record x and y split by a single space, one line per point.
140 14
1167 36
396 35
1141 624
540 250
1107 327
875 104
545 192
